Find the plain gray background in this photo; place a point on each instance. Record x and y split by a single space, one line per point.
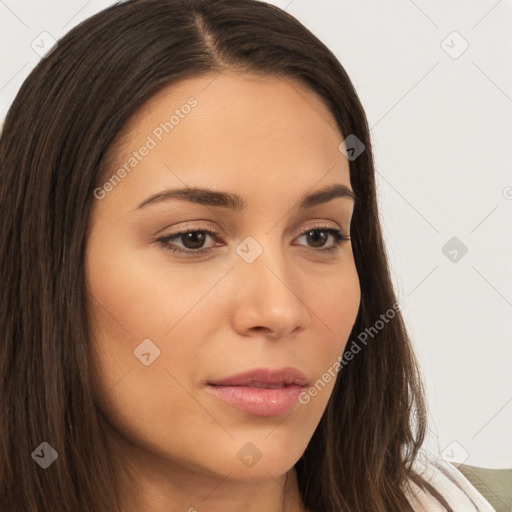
435 79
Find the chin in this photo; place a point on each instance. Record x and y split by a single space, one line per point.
258 460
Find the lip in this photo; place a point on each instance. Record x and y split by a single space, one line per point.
261 392
280 376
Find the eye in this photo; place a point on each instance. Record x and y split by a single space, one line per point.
319 236
194 240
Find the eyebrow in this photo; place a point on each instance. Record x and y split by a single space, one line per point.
234 202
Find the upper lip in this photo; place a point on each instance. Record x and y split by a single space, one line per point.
263 377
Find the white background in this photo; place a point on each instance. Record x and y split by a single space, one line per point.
442 132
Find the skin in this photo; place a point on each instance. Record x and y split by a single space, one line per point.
269 140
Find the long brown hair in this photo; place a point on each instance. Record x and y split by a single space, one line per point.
56 140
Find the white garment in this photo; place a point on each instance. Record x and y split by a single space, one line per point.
451 484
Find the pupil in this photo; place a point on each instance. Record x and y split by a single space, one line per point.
196 238
315 238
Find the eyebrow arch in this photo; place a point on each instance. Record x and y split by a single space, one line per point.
234 202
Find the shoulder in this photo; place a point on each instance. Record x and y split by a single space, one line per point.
450 483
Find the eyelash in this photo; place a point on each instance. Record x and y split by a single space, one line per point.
339 239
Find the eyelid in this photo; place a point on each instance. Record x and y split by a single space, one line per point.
208 226
321 224
199 225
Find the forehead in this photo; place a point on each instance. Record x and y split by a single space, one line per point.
245 130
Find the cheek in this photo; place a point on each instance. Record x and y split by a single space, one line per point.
131 301
136 307
336 304
136 294
337 309
135 291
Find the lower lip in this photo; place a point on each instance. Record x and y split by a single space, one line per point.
258 401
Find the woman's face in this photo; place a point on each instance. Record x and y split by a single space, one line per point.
266 293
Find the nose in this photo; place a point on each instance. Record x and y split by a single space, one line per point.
269 298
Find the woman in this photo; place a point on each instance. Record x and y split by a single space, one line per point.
196 302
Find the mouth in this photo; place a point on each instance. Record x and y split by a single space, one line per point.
262 385
260 392
265 377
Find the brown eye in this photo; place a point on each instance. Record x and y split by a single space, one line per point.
318 241
317 238
192 241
